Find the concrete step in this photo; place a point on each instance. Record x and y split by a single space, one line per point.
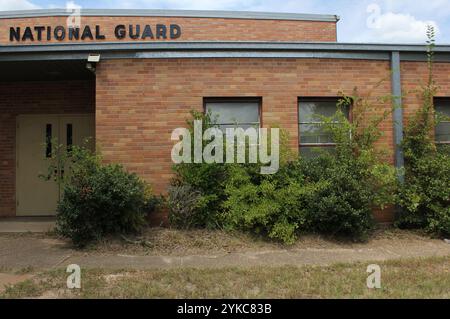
26 224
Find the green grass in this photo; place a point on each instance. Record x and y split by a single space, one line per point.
407 278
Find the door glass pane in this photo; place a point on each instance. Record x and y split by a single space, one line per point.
48 140
69 134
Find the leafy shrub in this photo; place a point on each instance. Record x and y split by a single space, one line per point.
185 203
100 200
342 202
320 195
265 204
333 193
203 181
425 193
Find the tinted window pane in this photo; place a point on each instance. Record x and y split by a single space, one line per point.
443 132
310 129
443 108
314 133
308 110
234 112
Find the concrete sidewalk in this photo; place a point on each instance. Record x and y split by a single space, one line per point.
26 224
40 253
295 257
23 255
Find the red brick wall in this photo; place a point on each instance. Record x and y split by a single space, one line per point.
33 98
140 102
414 75
193 29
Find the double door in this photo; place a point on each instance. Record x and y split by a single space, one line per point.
37 137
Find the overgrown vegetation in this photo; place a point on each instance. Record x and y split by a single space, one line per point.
333 193
196 194
425 194
99 199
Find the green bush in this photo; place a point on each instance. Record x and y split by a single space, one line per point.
343 200
204 181
357 176
185 203
265 204
322 195
425 194
333 193
101 200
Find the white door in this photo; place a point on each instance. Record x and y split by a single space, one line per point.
36 135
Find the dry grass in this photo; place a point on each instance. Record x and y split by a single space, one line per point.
408 278
169 241
166 241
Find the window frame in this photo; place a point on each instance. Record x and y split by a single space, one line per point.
317 99
246 99
441 99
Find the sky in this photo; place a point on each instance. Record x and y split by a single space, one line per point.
376 21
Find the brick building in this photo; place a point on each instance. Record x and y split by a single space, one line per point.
129 77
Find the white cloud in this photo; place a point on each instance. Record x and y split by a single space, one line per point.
397 27
16 5
429 7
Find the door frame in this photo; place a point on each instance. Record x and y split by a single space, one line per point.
17 153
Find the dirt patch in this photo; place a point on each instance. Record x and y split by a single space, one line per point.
12 279
113 278
55 294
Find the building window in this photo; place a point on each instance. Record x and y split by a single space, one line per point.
442 130
312 135
232 113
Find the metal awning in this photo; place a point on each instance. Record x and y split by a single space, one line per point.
181 49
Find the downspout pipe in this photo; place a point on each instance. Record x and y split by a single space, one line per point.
398 112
